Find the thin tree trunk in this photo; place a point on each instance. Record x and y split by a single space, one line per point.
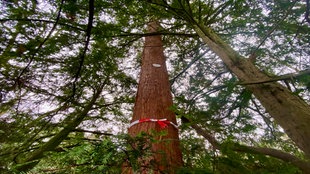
153 101
288 110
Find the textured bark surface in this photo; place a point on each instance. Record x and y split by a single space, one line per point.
288 110
154 100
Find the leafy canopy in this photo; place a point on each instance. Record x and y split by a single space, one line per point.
55 56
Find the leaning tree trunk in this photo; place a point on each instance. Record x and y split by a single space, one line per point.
288 110
153 101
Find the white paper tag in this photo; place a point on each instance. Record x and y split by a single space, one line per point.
156 65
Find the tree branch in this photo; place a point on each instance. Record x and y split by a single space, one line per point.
17 81
155 34
93 132
301 164
33 159
83 54
187 67
307 12
253 55
41 20
281 77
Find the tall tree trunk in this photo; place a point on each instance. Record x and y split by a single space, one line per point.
153 101
288 110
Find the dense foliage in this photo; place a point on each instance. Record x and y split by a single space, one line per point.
69 72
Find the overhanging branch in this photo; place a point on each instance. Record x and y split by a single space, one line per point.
187 67
272 30
83 54
18 79
42 20
301 164
282 77
307 12
162 33
34 158
93 132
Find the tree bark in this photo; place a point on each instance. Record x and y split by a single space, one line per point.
153 101
288 110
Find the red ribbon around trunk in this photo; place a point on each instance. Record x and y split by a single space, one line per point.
163 123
